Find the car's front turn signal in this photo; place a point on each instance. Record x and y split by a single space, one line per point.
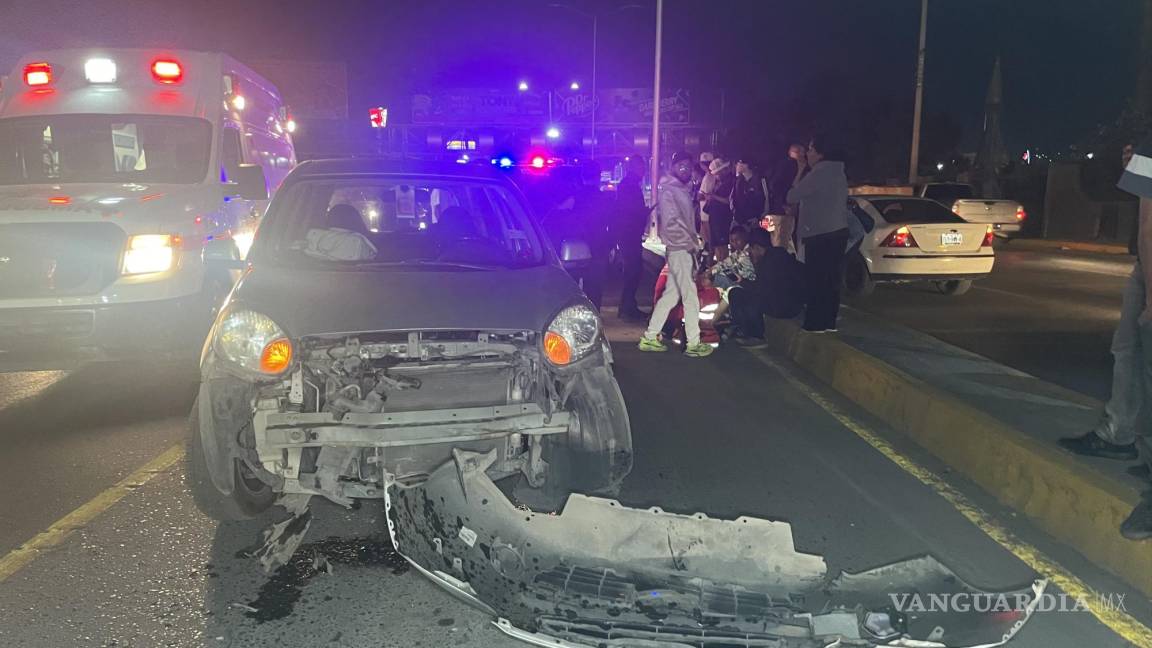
253 342
571 335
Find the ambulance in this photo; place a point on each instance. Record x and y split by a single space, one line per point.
131 183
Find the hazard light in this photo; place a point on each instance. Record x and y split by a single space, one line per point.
37 74
167 71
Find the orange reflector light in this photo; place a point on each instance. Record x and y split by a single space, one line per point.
557 348
276 356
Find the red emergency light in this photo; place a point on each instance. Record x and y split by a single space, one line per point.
37 74
167 71
538 162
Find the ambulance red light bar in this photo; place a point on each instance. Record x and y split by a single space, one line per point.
167 71
37 74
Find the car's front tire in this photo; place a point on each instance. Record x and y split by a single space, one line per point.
954 287
595 455
249 498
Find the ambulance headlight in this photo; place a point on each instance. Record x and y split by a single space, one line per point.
150 253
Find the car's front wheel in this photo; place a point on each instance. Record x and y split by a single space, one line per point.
249 498
595 455
954 287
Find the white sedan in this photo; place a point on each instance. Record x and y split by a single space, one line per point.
915 239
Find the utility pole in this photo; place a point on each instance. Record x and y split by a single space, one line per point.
914 163
656 104
595 21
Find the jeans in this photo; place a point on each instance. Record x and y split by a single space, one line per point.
1125 414
748 310
823 275
681 287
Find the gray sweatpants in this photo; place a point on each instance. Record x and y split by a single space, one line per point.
1126 413
681 287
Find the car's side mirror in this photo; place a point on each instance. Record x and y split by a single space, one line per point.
248 182
575 254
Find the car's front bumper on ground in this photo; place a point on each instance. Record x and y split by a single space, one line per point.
599 573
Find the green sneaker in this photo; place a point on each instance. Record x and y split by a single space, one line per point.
647 344
699 350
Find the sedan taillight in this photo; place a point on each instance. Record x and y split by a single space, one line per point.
1020 213
901 238
988 236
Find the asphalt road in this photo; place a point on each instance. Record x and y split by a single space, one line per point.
728 436
1048 314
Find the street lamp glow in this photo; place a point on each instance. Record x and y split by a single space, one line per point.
575 86
939 166
553 133
1090 156
523 86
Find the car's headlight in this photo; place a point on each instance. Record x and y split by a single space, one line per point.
571 335
254 342
147 253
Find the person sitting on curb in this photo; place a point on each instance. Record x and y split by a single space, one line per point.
676 224
735 268
1121 425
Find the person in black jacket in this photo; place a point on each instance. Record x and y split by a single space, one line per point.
749 202
630 222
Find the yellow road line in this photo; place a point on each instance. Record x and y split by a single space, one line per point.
19 557
1118 621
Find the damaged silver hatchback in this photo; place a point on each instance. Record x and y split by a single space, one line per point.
405 333
390 315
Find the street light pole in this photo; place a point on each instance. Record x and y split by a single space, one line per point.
914 163
656 104
595 20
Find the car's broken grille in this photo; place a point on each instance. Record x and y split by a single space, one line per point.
58 259
600 632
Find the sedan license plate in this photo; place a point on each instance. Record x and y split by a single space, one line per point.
950 239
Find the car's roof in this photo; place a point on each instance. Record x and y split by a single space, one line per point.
393 166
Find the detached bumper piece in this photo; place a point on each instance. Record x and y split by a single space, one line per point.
601 574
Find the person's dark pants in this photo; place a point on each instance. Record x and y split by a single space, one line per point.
823 274
593 278
747 309
632 259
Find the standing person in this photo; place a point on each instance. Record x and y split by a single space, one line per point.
677 226
749 202
630 223
1125 418
591 213
718 206
822 228
785 176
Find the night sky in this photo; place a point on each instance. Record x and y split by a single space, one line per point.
1068 64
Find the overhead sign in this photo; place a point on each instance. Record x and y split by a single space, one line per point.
613 106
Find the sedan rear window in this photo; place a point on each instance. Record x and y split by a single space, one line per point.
400 222
901 210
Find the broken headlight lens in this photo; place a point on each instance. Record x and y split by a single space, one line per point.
571 335
254 342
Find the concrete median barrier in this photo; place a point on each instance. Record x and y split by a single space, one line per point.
1071 500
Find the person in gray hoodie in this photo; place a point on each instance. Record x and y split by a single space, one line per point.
676 223
822 226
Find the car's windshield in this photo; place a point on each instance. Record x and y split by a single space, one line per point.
401 222
948 193
60 149
899 210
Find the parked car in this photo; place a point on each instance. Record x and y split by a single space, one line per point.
392 315
1005 216
912 239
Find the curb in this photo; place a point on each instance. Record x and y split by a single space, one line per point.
1074 246
1072 502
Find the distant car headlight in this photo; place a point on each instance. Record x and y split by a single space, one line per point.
148 253
571 335
253 342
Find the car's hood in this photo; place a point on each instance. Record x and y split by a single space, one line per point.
137 206
314 302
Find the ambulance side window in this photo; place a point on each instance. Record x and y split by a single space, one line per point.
231 151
